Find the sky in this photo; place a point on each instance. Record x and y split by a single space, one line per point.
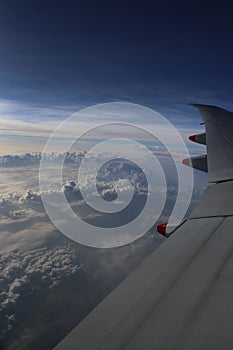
59 56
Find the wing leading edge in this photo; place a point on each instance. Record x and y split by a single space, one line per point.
181 296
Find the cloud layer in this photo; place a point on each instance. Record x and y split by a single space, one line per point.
36 258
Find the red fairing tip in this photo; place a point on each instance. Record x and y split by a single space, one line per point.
186 161
192 138
162 229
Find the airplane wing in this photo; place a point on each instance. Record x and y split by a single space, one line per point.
181 296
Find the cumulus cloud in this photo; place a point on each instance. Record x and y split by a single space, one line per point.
29 195
17 214
19 206
26 274
106 180
70 187
21 160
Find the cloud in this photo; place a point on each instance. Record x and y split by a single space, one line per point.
70 187
25 222
33 158
25 111
17 199
35 257
28 126
26 274
30 195
17 214
20 160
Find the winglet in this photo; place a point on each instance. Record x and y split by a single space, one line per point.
219 141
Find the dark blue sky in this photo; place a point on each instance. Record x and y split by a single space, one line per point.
83 52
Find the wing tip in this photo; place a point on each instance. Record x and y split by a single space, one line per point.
201 105
207 107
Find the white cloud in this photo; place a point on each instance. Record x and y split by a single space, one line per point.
29 273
